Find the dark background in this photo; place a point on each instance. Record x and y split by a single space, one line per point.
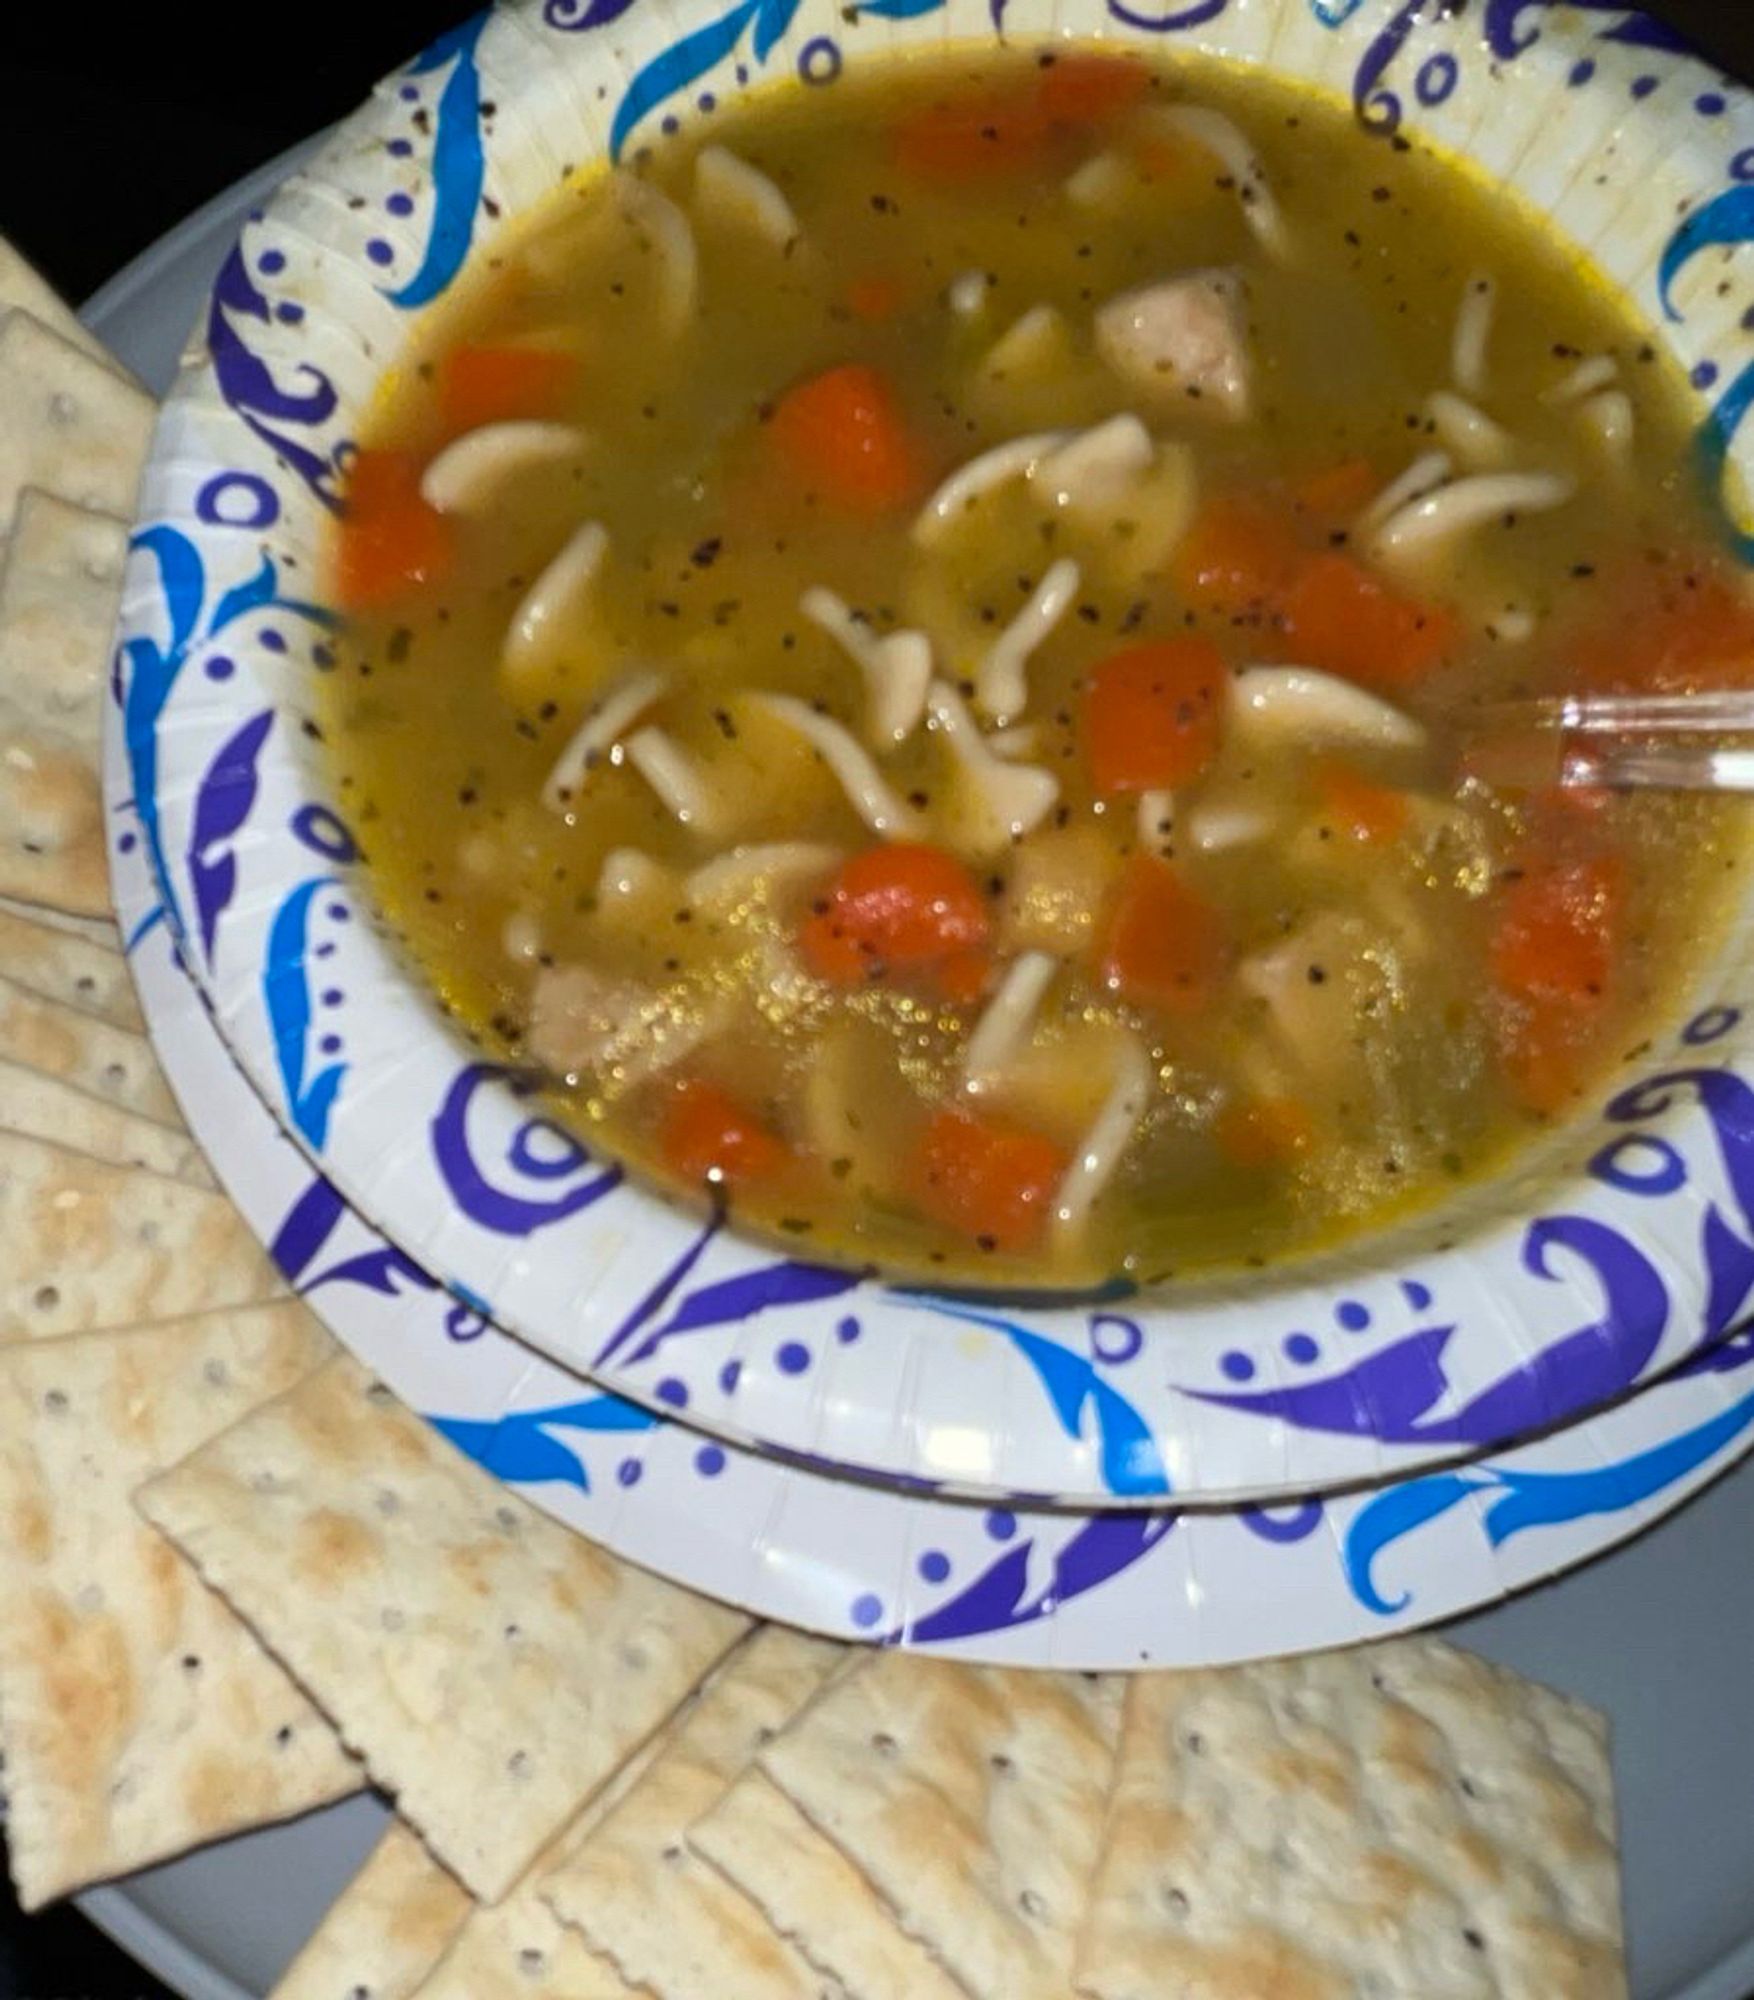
111 130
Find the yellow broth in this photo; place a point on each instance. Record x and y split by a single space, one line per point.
1348 1053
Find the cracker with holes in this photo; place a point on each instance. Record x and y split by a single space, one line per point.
115 1064
424 1605
517 1948
386 1930
100 931
85 1246
813 1896
142 1716
59 593
971 1800
74 427
75 971
670 1923
24 288
44 1107
1402 1820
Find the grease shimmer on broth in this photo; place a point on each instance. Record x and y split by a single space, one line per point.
907 652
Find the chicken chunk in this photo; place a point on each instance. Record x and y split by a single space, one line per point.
1183 342
583 1022
576 1015
1329 990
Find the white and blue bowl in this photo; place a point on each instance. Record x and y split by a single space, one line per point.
1621 1251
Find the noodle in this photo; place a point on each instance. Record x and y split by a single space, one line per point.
1014 797
1301 705
1474 336
1426 526
620 708
745 872
676 778
667 231
731 188
867 793
1105 1144
1474 437
556 597
1009 1019
1217 135
969 484
1001 689
468 474
896 666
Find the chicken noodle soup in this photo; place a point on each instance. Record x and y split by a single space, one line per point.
911 649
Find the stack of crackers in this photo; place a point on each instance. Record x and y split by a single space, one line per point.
238 1581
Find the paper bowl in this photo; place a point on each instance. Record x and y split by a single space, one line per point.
1603 1261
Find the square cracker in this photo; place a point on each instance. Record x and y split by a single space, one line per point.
142 1717
116 1064
86 1246
1403 1820
77 971
23 286
99 930
668 1921
43 1107
59 594
493 1668
385 1931
518 1949
813 1895
972 1799
74 427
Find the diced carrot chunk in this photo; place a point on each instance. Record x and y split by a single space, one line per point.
1675 634
990 131
1240 555
974 136
1557 931
390 541
1083 89
1359 808
1340 618
1164 944
876 297
1338 493
843 435
708 1136
987 1178
1266 1133
964 976
489 385
1153 715
901 908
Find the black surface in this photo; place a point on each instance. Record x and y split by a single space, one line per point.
108 137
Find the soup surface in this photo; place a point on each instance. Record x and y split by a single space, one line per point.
914 654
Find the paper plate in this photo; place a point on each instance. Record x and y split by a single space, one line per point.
1030 1586
1605 1263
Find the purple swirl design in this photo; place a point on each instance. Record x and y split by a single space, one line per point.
1002 1597
1391 1394
1507 38
505 1210
572 16
1177 19
256 395
1380 110
222 805
724 1302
